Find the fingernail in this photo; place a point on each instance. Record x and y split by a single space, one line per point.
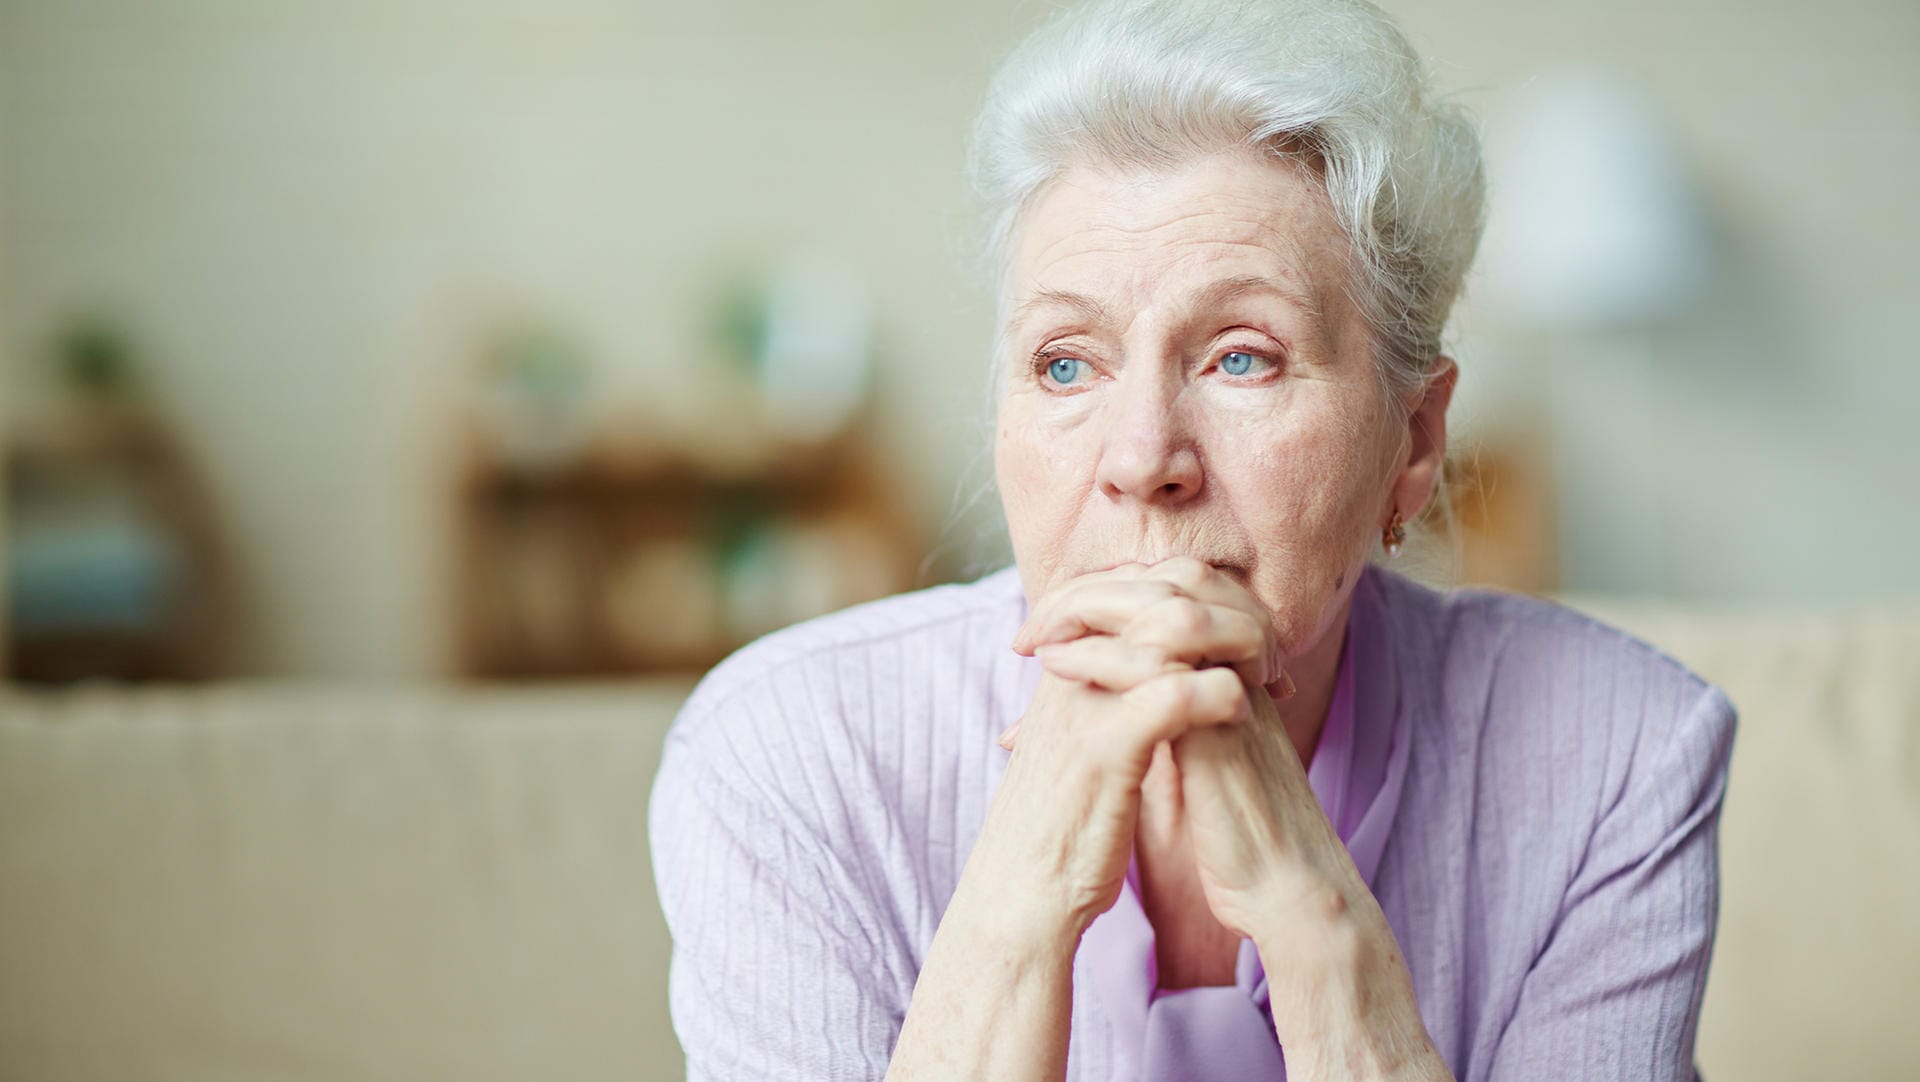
1006 737
1286 686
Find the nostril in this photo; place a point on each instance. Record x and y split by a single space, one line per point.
1160 469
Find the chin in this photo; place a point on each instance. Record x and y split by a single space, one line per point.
1301 622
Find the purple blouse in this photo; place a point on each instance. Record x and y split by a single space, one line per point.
1533 798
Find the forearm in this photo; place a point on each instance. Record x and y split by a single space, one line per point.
994 997
1346 1009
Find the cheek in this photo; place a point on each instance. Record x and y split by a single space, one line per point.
1013 472
1045 458
1017 466
1303 495
1035 476
1302 484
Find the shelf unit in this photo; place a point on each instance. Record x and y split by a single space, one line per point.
618 565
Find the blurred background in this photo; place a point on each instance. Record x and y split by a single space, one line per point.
495 367
409 306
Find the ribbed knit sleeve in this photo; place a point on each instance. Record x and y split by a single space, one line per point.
816 800
1615 992
778 972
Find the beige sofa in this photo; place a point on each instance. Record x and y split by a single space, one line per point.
307 882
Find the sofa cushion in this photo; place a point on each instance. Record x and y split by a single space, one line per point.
1814 971
296 882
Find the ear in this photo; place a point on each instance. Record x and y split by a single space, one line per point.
1426 442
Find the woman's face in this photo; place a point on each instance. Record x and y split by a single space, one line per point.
1186 375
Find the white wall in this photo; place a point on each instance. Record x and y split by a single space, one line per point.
314 213
1785 461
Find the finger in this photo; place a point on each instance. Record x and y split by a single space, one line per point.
1206 582
1101 608
1189 575
1169 706
1202 635
1176 626
1105 661
1022 638
1007 736
1203 581
1099 602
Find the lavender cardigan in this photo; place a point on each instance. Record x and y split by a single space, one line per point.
1551 872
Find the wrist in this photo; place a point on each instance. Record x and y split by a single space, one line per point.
1320 928
1343 1004
1014 929
1010 916
994 996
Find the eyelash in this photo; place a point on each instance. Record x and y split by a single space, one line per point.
1044 358
1258 355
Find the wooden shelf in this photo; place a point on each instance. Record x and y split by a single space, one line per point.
619 565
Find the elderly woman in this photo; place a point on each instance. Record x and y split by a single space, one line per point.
1197 791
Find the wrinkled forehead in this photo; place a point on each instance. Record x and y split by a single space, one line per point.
1110 245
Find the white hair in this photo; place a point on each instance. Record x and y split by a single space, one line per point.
1151 83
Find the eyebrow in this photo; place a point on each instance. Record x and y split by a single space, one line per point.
1092 310
1227 289
1214 293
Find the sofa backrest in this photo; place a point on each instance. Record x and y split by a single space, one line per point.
305 883
1816 971
300 882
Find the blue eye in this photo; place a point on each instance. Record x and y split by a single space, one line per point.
1237 363
1065 370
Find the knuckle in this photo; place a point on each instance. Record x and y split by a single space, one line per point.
1133 655
1186 617
1149 633
1223 689
1181 689
1187 572
1172 694
1148 656
1250 632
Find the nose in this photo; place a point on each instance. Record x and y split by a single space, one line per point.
1149 453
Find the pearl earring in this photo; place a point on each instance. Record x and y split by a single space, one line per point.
1393 535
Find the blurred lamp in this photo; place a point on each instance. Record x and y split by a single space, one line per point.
816 354
1595 225
1596 238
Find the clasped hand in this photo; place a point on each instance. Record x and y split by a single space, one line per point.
1176 653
